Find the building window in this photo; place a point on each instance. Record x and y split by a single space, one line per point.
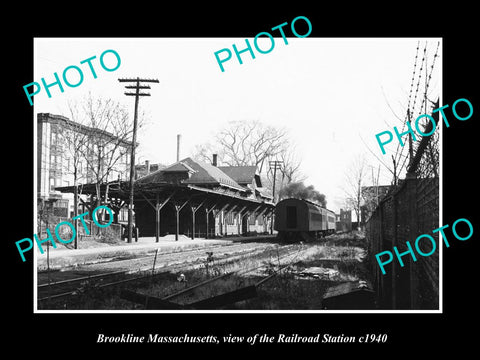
61 203
229 219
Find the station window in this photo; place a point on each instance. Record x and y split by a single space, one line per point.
229 219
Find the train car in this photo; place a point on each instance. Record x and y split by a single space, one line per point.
298 219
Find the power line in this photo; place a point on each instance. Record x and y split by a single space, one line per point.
137 95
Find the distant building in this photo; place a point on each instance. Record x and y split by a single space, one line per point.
343 221
142 170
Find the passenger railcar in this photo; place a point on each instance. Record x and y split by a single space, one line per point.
297 219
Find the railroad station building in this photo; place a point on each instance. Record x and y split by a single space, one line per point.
199 199
192 198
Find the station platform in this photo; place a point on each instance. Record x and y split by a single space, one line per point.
63 257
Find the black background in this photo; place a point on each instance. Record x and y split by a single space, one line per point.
408 334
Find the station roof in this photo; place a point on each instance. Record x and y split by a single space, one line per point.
242 174
186 179
197 173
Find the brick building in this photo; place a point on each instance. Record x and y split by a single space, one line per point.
343 221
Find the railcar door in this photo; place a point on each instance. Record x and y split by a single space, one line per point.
291 217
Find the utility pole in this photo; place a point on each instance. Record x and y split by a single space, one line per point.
137 95
275 164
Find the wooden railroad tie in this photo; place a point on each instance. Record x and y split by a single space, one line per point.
214 302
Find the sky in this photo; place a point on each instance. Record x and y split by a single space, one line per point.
332 95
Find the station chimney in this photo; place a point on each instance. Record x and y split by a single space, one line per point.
214 160
147 166
178 146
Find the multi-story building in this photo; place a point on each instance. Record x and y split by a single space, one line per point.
343 221
102 156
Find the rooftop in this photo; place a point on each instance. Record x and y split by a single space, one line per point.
62 120
200 173
241 174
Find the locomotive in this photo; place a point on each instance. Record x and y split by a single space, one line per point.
299 219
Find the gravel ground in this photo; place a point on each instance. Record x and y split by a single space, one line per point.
166 257
61 258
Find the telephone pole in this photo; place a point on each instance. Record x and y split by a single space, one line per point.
137 95
275 164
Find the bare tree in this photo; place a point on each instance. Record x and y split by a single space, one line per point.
291 165
74 139
109 140
242 143
249 143
288 172
203 152
107 143
290 169
354 182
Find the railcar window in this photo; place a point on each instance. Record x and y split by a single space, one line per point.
315 217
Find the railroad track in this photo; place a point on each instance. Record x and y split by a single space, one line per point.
183 298
56 289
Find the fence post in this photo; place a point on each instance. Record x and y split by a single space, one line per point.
411 180
394 244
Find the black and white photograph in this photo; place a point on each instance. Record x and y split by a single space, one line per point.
256 182
259 187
